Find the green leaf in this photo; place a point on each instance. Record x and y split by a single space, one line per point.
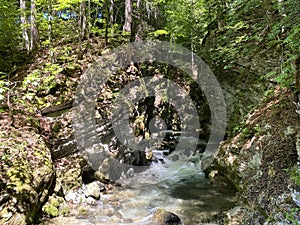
158 33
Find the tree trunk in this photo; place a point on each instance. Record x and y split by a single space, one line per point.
128 16
137 24
110 21
297 81
106 22
82 20
34 34
82 27
89 19
111 14
24 25
50 30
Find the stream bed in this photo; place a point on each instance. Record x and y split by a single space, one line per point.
178 187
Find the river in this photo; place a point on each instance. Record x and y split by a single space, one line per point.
176 186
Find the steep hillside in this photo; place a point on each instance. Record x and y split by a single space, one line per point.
258 161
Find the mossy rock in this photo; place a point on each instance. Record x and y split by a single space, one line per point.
55 206
28 174
50 210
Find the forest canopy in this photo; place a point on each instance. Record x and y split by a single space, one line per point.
225 33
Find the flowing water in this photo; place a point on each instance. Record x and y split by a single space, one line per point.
176 186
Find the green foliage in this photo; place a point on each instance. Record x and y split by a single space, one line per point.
237 129
41 80
50 210
32 81
10 34
295 175
65 4
292 216
55 207
4 88
82 212
185 21
157 33
65 57
53 68
246 131
9 29
257 129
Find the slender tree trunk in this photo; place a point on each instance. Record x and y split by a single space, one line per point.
128 16
136 32
24 25
50 30
111 14
106 24
34 34
82 20
110 21
89 19
82 26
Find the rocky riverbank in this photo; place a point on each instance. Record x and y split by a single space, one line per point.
258 161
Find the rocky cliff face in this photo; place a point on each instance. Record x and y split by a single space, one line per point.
257 157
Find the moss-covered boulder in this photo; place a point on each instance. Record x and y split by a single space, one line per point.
27 176
55 206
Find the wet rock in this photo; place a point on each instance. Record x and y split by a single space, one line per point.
111 170
206 162
129 173
76 197
93 190
91 200
163 217
88 193
88 174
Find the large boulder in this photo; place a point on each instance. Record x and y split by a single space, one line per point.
27 176
257 158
